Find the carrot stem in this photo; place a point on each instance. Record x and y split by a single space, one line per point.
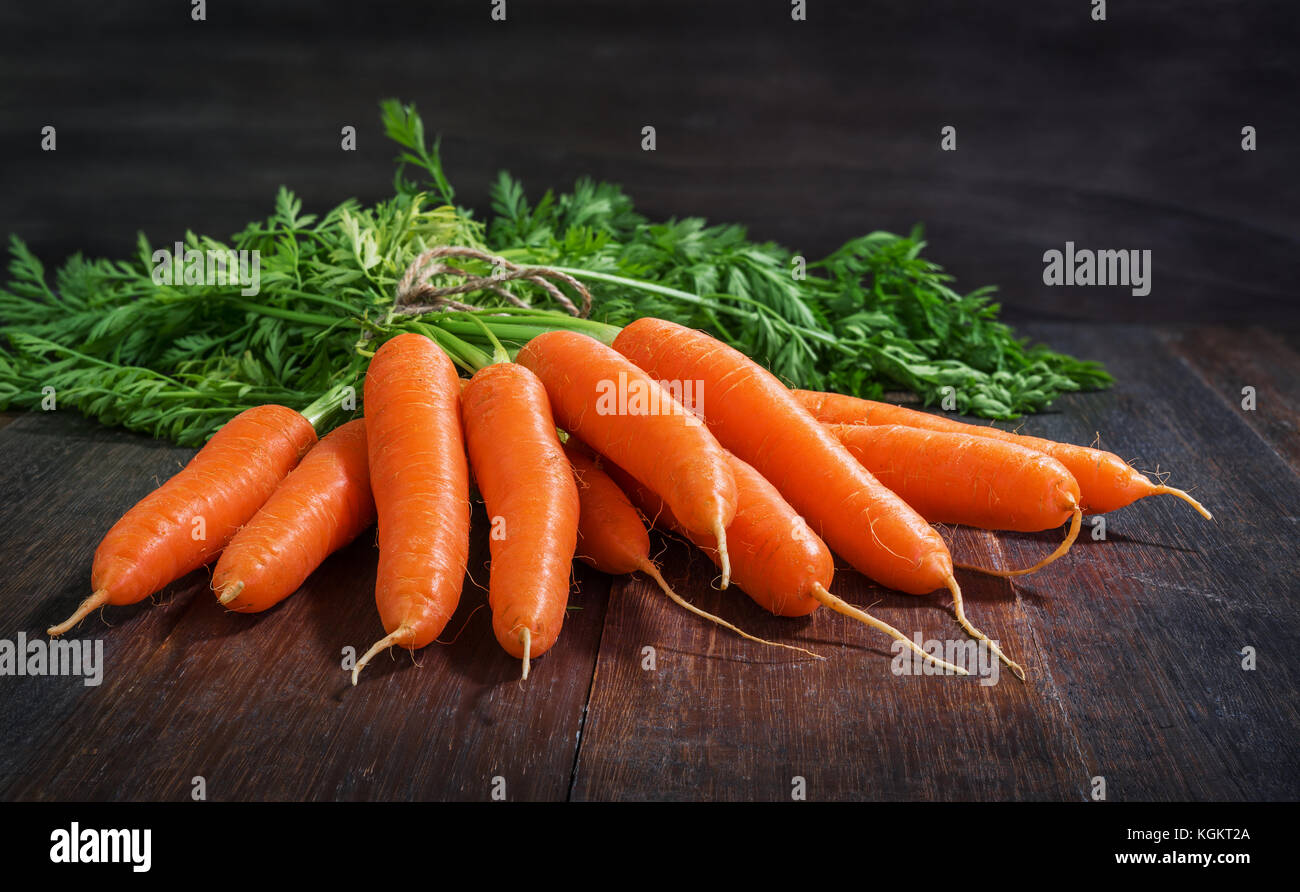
839 605
319 412
758 308
94 602
976 633
652 571
382 644
522 323
1075 522
1171 491
464 354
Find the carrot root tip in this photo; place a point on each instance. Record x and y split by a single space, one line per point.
94 602
230 593
652 571
960 611
724 560
382 644
1076 521
839 605
527 638
1171 491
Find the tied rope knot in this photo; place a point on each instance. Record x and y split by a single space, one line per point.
416 294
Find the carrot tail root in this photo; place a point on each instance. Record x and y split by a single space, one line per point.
94 602
652 571
1076 521
526 637
230 593
960 611
382 644
841 606
724 560
1171 491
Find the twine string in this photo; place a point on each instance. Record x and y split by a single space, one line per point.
416 292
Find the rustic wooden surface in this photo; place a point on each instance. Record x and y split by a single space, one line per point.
1133 644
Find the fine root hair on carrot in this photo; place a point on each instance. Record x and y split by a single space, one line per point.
464 625
382 644
94 602
652 571
839 605
960 611
1076 520
724 561
230 592
1163 490
527 638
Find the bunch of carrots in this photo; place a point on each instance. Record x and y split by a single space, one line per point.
767 481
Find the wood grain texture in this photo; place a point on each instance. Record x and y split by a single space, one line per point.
1132 645
1155 680
723 719
1230 359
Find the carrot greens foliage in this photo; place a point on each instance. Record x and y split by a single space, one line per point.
178 360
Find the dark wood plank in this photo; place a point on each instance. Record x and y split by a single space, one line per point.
723 719
258 706
1145 641
1131 644
1229 359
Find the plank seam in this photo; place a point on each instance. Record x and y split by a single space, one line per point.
619 586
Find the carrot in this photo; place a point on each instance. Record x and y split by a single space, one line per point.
618 410
756 417
1106 482
323 504
185 523
974 481
532 500
612 538
420 480
777 559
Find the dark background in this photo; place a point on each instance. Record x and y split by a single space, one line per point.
1115 134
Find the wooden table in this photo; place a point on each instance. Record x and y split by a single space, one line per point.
1134 645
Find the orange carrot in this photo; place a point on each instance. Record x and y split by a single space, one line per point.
777 559
762 423
420 480
532 501
612 538
323 504
974 481
185 523
618 410
1106 482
